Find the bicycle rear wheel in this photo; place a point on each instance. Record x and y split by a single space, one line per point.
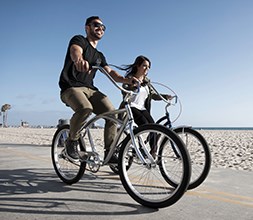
198 150
68 171
199 154
145 183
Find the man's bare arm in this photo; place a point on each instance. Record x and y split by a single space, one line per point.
76 54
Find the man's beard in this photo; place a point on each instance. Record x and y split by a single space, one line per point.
95 36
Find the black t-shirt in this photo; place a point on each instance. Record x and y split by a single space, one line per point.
70 77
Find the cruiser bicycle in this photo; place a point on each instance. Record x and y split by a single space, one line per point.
195 143
145 178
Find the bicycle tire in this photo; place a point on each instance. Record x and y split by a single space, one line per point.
68 171
199 152
164 118
199 174
151 189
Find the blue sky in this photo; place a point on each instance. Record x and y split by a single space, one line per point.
202 49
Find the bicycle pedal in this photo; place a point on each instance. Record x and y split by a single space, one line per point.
84 155
72 160
90 157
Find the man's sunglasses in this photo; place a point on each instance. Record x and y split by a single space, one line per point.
98 25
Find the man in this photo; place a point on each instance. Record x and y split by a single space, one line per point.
77 87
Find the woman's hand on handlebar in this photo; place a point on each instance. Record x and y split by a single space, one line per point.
132 81
169 97
132 84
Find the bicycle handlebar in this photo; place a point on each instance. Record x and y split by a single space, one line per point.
102 70
168 102
165 100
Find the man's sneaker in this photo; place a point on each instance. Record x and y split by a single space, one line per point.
71 147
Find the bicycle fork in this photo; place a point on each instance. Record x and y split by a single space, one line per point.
141 144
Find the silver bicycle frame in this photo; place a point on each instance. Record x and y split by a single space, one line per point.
127 124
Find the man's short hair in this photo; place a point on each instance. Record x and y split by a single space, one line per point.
90 19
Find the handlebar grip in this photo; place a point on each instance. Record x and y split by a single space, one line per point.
176 98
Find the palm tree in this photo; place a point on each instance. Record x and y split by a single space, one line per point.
5 109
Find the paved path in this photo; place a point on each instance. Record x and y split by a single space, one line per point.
30 189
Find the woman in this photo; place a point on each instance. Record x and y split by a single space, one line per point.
141 102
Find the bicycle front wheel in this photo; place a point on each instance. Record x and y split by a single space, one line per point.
145 183
68 171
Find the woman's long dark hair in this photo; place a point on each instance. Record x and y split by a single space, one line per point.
131 69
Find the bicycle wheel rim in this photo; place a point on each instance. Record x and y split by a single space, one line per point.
147 185
68 171
199 153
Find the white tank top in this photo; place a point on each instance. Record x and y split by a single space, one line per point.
138 100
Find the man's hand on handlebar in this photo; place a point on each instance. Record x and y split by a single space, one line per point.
82 65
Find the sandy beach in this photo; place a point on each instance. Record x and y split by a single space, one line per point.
229 148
